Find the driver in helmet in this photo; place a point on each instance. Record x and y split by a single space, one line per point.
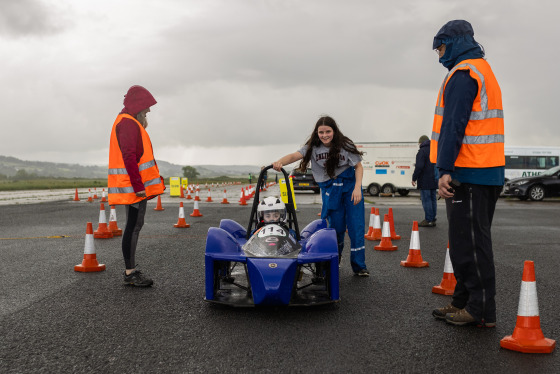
271 210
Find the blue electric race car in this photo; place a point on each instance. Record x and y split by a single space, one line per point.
271 264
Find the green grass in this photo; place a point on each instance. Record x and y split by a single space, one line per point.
65 183
50 184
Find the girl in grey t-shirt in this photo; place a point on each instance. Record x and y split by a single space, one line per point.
337 168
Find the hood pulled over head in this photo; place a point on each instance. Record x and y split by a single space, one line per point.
458 37
137 99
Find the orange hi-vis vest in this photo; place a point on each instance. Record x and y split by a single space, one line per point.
120 188
483 143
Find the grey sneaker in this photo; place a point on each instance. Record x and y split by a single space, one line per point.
464 318
363 273
137 279
440 313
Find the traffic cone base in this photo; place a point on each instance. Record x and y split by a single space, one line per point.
528 337
89 264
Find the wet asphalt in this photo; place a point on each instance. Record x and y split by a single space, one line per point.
55 320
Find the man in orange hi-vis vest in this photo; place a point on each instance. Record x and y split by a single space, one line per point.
467 146
133 176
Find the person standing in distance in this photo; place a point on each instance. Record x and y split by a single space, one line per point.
424 173
336 164
468 145
133 174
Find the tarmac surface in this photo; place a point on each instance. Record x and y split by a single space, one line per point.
55 320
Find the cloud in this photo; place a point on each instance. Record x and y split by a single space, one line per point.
22 18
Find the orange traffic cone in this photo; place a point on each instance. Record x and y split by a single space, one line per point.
182 192
95 194
196 196
414 259
113 227
225 201
103 198
196 212
76 198
102 231
527 336
448 282
374 231
242 200
209 198
89 199
181 222
89 263
386 244
189 197
158 206
394 236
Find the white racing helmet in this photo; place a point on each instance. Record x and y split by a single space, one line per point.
271 209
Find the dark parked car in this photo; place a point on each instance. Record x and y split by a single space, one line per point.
535 188
304 181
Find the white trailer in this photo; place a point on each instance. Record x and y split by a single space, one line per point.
388 167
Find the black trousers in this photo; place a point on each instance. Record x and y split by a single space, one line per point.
134 223
470 213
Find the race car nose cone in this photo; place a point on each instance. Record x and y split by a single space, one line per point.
272 280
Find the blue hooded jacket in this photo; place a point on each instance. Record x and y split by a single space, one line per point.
459 95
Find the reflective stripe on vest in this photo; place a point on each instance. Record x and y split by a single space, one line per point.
483 142
120 190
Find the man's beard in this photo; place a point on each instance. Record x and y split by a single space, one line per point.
141 117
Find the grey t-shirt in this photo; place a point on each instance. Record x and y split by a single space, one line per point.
319 158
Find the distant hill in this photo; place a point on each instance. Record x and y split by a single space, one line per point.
10 165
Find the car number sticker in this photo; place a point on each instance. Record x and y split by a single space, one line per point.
271 230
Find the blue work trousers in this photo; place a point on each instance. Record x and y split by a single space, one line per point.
351 217
429 203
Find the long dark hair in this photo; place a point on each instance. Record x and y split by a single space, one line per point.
338 142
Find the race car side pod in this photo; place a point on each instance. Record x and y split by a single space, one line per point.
181 223
89 263
394 236
158 206
527 336
386 244
113 227
448 282
414 258
102 231
196 212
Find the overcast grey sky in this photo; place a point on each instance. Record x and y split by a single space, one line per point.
244 81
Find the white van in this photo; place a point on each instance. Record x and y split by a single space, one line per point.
525 161
388 166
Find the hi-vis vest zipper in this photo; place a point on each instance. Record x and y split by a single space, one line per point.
483 143
120 188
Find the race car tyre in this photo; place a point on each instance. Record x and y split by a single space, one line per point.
536 193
